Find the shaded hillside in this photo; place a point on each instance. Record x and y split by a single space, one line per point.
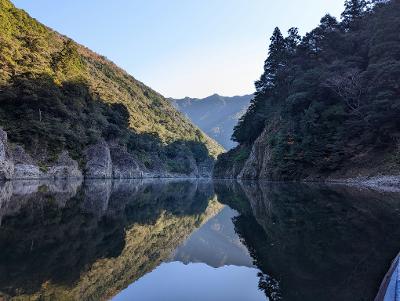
216 115
56 95
327 103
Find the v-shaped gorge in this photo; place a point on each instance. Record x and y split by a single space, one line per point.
193 240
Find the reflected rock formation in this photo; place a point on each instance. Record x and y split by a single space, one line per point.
215 244
318 242
74 241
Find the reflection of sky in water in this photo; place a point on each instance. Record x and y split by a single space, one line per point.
179 243
212 264
215 243
176 282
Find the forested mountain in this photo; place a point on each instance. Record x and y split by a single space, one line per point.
58 97
216 115
328 103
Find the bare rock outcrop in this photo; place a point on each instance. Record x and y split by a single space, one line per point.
24 165
98 161
125 165
6 163
205 168
257 166
230 164
103 161
65 168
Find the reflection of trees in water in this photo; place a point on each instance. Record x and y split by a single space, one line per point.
90 242
321 243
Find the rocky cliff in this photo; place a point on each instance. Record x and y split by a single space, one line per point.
101 161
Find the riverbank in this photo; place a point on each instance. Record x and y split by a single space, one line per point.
383 183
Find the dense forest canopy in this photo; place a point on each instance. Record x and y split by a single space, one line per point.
332 94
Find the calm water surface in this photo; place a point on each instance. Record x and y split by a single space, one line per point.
159 240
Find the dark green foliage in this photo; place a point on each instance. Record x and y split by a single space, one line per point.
311 237
333 96
354 10
275 61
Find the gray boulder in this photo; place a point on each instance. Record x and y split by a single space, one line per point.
98 161
64 168
27 172
6 164
24 165
125 165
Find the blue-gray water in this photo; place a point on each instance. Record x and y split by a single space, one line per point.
178 240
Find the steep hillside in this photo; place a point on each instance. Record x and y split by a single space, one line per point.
56 96
328 103
216 115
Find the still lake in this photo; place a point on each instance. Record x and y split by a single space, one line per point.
194 240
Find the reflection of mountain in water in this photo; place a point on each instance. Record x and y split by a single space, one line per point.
71 242
216 244
88 241
321 243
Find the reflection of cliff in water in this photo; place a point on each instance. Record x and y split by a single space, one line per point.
63 240
215 243
321 243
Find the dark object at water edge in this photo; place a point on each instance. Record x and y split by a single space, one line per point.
390 287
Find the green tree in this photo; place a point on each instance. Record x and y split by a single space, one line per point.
354 10
275 61
331 101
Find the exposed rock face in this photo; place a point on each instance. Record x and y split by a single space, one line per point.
205 168
65 168
6 164
98 161
103 161
230 164
21 157
6 191
27 171
242 164
25 168
228 172
125 165
257 166
193 167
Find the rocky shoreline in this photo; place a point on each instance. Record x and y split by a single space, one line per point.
102 161
382 183
108 161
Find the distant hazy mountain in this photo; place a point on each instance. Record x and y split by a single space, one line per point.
216 115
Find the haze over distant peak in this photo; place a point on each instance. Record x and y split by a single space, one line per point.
216 115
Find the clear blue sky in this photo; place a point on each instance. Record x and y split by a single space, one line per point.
182 47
